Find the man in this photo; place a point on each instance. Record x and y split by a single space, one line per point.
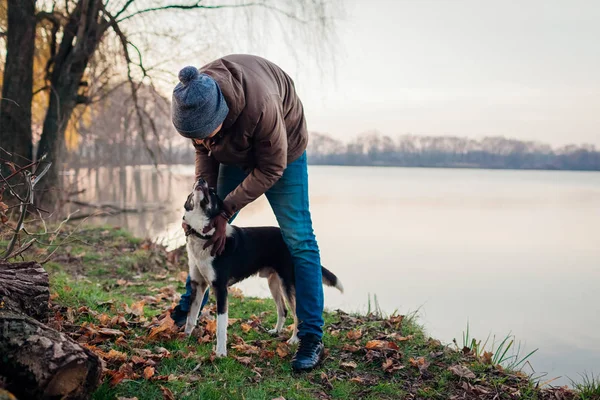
247 125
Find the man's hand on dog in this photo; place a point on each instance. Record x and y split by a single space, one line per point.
219 237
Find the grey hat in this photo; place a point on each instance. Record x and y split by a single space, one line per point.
198 106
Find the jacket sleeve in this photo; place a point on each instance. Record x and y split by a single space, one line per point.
270 155
206 166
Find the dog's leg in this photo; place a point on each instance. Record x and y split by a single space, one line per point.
291 300
277 293
222 320
199 286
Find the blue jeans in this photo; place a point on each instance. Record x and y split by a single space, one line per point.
289 200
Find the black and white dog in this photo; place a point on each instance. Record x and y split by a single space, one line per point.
248 251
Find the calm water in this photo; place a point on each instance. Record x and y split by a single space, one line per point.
508 251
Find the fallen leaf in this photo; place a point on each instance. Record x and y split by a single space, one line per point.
267 354
204 339
232 321
354 335
462 371
104 319
487 357
148 372
121 282
162 352
357 379
114 355
246 348
110 332
399 338
54 296
420 363
278 398
349 364
117 377
167 394
335 333
211 326
137 309
282 350
246 328
389 365
166 325
351 348
396 319
381 344
244 360
138 360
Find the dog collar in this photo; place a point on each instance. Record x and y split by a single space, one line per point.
192 231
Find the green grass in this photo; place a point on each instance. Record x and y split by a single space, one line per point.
505 353
107 271
588 387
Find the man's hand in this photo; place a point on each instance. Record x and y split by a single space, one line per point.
219 237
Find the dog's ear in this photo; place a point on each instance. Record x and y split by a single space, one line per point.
189 203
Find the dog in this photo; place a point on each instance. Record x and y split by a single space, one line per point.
248 252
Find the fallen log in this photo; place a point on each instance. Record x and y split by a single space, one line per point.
24 288
38 362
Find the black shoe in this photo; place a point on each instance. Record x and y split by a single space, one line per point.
309 353
179 316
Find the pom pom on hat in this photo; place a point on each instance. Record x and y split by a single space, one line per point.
188 74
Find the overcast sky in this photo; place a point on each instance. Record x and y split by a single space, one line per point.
527 69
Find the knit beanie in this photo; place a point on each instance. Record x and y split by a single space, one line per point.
198 106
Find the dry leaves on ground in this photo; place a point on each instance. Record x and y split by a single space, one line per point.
167 394
461 371
282 350
420 363
349 364
380 345
354 334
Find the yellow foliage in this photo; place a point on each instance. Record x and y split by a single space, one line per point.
40 101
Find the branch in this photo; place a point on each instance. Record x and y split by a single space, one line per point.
41 89
134 87
81 99
197 6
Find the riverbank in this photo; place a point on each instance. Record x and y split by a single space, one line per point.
112 292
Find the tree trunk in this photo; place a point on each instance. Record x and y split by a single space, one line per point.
24 287
17 89
81 37
39 362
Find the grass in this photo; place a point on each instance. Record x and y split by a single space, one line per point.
497 354
588 387
109 279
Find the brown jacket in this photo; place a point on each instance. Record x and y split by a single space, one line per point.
263 132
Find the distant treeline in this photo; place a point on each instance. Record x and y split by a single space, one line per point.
371 149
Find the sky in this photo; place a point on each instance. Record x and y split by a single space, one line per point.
522 69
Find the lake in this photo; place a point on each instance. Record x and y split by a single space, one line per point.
504 251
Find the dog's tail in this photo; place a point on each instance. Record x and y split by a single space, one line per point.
330 279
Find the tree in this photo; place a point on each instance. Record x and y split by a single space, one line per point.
17 87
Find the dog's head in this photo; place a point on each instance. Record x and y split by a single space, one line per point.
201 206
